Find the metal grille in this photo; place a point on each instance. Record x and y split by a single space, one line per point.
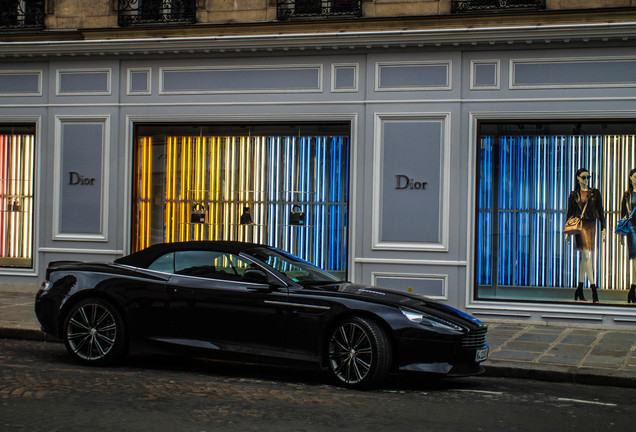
137 12
467 6
21 14
475 339
287 9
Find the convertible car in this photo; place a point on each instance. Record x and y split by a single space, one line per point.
243 301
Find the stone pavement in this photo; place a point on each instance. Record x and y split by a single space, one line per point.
586 355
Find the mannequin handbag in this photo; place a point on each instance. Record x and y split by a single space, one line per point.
623 225
199 214
574 225
297 216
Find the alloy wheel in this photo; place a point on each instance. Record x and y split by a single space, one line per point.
91 331
351 353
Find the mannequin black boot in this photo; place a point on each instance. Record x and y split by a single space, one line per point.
631 296
578 294
594 293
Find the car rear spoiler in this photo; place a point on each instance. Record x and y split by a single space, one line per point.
57 264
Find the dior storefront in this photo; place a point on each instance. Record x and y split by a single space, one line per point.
413 160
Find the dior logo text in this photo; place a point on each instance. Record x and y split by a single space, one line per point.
78 179
405 182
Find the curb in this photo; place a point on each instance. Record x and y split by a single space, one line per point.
560 374
26 334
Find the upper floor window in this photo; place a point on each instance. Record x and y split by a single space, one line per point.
316 8
16 14
134 12
467 6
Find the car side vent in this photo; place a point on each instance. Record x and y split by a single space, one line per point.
476 338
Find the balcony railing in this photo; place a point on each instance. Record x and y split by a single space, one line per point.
21 14
139 12
468 6
287 9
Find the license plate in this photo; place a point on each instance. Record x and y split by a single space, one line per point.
481 354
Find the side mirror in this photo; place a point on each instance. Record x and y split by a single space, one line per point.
255 276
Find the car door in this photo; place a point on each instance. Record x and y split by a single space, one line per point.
214 307
145 291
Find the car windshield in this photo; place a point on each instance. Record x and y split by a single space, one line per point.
294 268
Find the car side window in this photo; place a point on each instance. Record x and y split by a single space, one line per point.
210 264
289 269
164 263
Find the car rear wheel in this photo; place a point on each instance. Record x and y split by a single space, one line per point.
94 332
359 353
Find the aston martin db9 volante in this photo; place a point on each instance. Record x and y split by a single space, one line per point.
242 301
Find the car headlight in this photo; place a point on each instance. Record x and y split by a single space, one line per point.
429 320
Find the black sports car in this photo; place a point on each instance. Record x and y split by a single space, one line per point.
247 301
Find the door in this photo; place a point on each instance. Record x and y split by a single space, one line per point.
214 308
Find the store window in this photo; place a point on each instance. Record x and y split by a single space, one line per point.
530 177
282 185
17 145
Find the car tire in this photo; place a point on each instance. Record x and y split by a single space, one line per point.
94 332
359 353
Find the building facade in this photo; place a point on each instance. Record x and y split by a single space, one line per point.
430 147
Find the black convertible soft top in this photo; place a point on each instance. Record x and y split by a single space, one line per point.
147 256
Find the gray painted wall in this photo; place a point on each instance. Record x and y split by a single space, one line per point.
432 98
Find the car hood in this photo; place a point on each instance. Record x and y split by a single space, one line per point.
399 299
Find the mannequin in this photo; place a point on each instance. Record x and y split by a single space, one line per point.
627 205
581 195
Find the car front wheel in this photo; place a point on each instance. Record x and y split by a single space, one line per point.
359 353
94 332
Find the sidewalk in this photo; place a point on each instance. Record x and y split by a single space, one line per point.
558 353
519 350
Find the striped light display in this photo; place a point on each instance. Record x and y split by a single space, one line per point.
16 200
269 174
522 195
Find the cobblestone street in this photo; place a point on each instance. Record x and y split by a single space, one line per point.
42 389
